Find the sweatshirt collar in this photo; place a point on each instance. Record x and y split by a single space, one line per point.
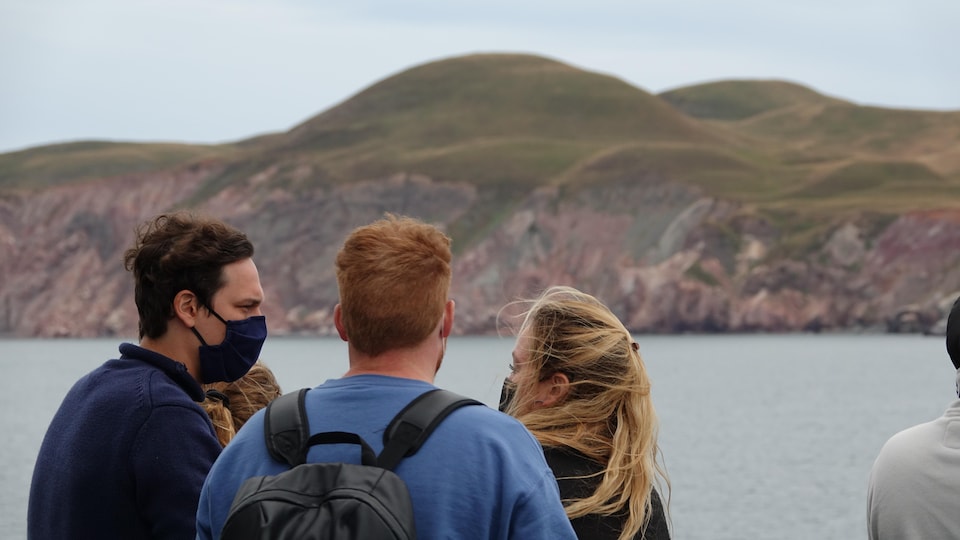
173 369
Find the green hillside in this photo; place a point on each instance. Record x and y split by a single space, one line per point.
855 130
737 100
487 119
819 156
47 166
483 96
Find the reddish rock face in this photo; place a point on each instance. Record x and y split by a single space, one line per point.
663 256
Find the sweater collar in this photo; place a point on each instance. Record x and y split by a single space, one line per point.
173 369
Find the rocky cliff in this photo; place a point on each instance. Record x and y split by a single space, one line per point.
666 258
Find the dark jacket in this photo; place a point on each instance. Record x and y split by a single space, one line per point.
567 462
126 454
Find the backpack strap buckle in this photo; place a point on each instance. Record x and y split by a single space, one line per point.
286 430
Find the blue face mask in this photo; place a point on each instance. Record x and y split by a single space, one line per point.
236 354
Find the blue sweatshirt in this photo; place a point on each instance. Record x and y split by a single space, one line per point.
126 454
480 475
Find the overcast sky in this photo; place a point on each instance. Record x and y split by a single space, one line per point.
218 70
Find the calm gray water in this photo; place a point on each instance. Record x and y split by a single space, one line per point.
764 437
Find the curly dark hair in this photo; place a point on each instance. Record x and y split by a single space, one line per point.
175 252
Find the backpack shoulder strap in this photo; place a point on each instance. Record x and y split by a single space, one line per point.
286 429
411 427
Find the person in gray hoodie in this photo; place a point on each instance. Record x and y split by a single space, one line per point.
914 487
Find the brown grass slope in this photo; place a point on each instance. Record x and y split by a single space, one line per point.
486 119
827 155
46 166
740 99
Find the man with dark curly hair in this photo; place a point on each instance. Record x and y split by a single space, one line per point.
126 454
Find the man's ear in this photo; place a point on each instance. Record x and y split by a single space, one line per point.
448 311
554 389
186 307
338 322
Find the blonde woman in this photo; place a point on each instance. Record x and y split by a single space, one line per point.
579 385
230 405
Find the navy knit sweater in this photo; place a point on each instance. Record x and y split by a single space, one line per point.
126 454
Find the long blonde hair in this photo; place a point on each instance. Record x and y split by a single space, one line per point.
607 413
230 405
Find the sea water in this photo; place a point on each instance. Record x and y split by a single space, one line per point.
764 436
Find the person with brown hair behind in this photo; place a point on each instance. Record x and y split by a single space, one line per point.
231 404
126 453
579 385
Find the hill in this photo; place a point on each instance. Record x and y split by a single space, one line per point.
738 100
728 206
58 164
531 116
817 156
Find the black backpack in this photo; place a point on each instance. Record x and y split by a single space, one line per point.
335 500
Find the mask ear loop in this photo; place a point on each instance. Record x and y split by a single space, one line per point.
219 396
202 341
217 315
196 333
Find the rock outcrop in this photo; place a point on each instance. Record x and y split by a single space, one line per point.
664 256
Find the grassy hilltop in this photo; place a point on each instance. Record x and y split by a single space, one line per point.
508 123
